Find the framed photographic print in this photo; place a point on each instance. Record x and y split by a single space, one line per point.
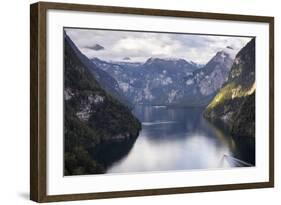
134 102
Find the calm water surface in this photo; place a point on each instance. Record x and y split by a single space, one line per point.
181 139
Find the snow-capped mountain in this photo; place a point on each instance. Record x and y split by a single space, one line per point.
212 76
202 85
169 81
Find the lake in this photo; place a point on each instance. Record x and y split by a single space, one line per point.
181 139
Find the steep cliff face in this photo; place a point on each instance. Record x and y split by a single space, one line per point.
92 117
106 82
234 104
204 83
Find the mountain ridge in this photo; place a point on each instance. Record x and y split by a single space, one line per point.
169 81
234 104
91 118
104 79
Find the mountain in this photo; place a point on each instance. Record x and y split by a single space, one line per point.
149 82
197 65
107 82
214 74
203 84
234 104
168 81
93 118
171 64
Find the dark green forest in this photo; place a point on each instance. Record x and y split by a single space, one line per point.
92 117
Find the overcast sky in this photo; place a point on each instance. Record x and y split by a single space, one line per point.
139 46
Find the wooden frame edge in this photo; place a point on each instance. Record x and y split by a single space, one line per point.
34 188
271 101
153 12
38 112
37 102
155 192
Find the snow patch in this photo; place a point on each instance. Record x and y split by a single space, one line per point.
227 117
172 95
167 81
189 81
68 94
147 94
84 113
95 99
124 86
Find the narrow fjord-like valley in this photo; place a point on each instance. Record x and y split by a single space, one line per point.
160 114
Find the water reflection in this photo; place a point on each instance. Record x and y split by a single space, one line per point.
181 139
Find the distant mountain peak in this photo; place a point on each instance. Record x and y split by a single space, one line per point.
178 61
165 60
230 51
234 104
221 56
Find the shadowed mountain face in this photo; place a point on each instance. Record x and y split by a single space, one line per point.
91 117
234 104
169 81
108 83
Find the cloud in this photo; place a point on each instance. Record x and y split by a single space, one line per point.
139 46
126 58
96 47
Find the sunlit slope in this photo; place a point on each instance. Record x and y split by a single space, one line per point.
234 104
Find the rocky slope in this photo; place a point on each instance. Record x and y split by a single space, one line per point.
105 80
204 83
169 81
92 118
234 104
